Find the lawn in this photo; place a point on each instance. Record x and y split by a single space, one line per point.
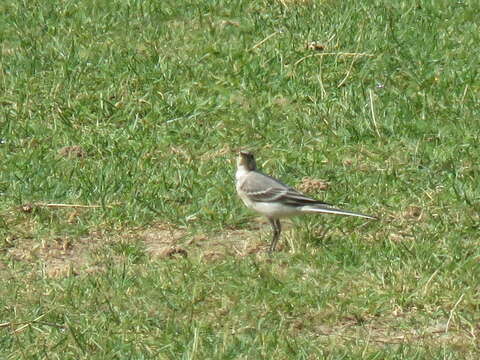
121 236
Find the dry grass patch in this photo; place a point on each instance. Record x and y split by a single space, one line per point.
387 331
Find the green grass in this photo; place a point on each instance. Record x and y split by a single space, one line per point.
159 96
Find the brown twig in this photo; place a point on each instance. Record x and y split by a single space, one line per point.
332 54
80 206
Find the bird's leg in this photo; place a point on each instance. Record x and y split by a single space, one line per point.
277 229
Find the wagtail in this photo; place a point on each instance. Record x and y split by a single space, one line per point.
273 199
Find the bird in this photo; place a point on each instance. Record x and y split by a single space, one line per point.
275 200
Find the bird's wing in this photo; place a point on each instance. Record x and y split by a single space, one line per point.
263 188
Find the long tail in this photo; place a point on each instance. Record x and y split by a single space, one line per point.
331 210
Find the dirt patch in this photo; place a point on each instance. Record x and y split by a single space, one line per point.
58 256
309 185
72 152
161 243
65 256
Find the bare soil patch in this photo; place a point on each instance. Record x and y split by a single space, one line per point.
64 256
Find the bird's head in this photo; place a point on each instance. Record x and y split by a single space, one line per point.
246 159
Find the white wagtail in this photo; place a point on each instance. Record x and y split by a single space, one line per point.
274 199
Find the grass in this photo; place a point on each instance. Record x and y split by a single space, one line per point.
136 109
